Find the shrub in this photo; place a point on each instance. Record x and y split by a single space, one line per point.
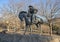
55 28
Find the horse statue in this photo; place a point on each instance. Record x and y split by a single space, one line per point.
37 20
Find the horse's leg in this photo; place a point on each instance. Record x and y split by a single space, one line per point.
36 25
40 29
30 29
39 26
25 29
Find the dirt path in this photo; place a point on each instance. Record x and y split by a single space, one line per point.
28 38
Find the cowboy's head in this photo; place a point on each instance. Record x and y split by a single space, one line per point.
30 7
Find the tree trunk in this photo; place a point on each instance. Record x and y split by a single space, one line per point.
40 30
51 29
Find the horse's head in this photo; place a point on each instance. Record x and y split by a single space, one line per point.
22 15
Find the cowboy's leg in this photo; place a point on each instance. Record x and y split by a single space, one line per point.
31 18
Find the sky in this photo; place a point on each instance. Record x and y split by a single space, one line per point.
6 2
31 2
3 2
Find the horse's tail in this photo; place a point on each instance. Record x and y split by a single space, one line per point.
22 12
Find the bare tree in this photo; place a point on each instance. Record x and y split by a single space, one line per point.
10 12
12 7
49 9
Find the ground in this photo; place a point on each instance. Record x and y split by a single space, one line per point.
34 37
7 37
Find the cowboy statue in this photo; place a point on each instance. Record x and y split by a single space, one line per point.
31 12
32 18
